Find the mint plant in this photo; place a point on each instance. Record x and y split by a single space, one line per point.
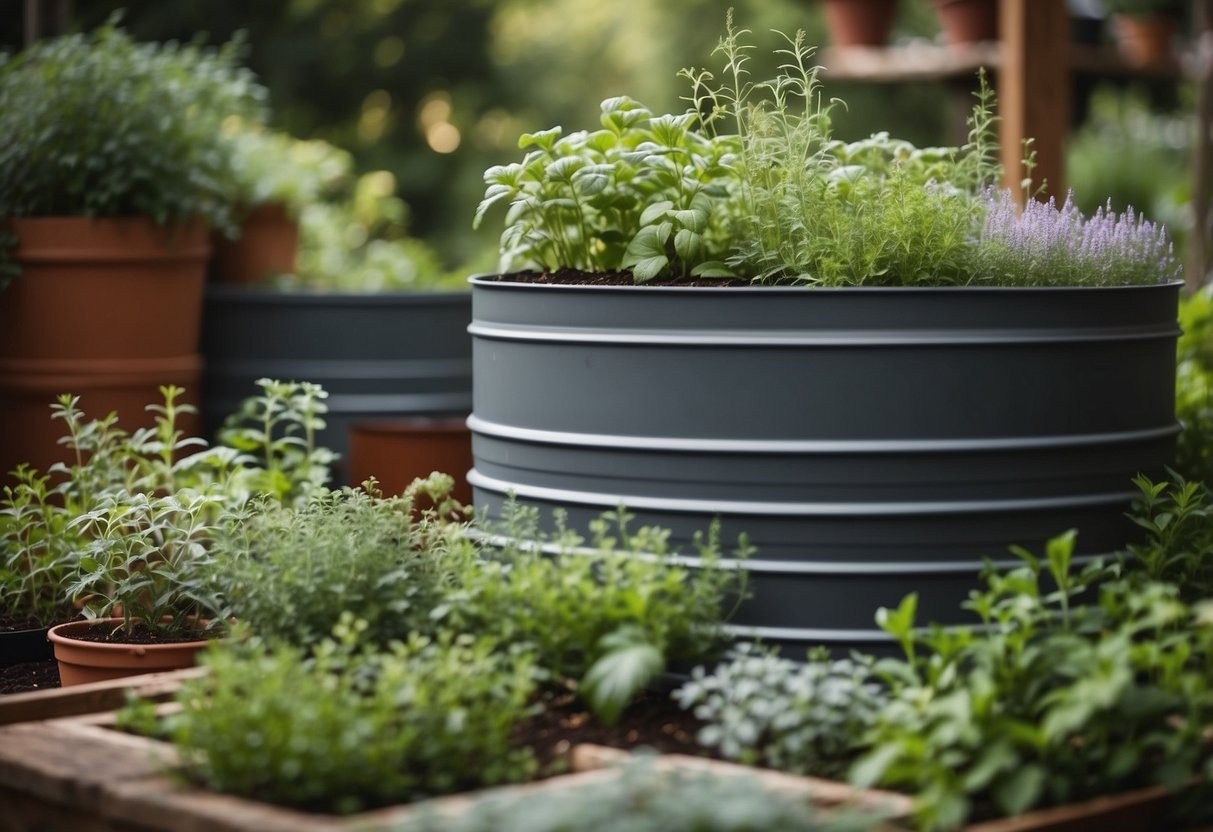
1048 701
804 718
347 728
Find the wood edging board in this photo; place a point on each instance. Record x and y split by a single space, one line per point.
53 703
76 772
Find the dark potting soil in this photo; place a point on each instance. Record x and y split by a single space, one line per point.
574 277
12 623
106 633
30 676
654 721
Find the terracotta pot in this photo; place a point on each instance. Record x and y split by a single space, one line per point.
82 661
268 244
398 451
1144 41
968 21
108 309
860 22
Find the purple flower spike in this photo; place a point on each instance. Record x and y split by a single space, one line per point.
1044 245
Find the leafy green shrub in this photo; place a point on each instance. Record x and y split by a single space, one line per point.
781 201
345 729
1194 388
290 573
98 125
611 614
129 512
1176 518
1047 702
644 799
805 718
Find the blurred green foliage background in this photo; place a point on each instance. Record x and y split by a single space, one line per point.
435 91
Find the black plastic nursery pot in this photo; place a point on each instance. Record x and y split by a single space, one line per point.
379 355
870 441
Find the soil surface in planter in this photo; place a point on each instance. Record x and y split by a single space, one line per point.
654 721
573 277
106 634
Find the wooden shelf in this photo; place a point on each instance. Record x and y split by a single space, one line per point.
925 61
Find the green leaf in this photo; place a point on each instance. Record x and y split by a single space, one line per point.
646 254
545 139
89 564
691 219
869 769
655 212
629 664
1019 790
712 268
688 245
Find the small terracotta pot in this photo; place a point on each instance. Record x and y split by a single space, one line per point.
398 451
860 22
81 662
968 21
268 245
1144 41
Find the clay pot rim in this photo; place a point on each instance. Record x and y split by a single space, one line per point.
59 634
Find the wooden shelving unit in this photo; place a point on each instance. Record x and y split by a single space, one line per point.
1032 66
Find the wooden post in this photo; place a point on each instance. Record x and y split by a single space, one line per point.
1034 91
1200 260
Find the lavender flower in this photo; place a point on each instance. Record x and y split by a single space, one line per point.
1045 245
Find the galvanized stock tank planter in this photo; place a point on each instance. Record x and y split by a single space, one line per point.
871 441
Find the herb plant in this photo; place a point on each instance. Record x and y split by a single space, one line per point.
125 520
148 557
278 430
1049 701
99 125
645 799
804 718
346 729
290 573
1044 245
612 614
779 200
643 193
1194 387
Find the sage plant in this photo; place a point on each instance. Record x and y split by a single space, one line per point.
1044 245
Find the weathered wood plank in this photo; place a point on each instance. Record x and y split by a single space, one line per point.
91 698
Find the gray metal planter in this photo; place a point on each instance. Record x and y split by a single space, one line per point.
871 442
379 355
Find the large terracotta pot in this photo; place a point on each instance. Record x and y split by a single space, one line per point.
108 309
81 662
268 245
860 22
